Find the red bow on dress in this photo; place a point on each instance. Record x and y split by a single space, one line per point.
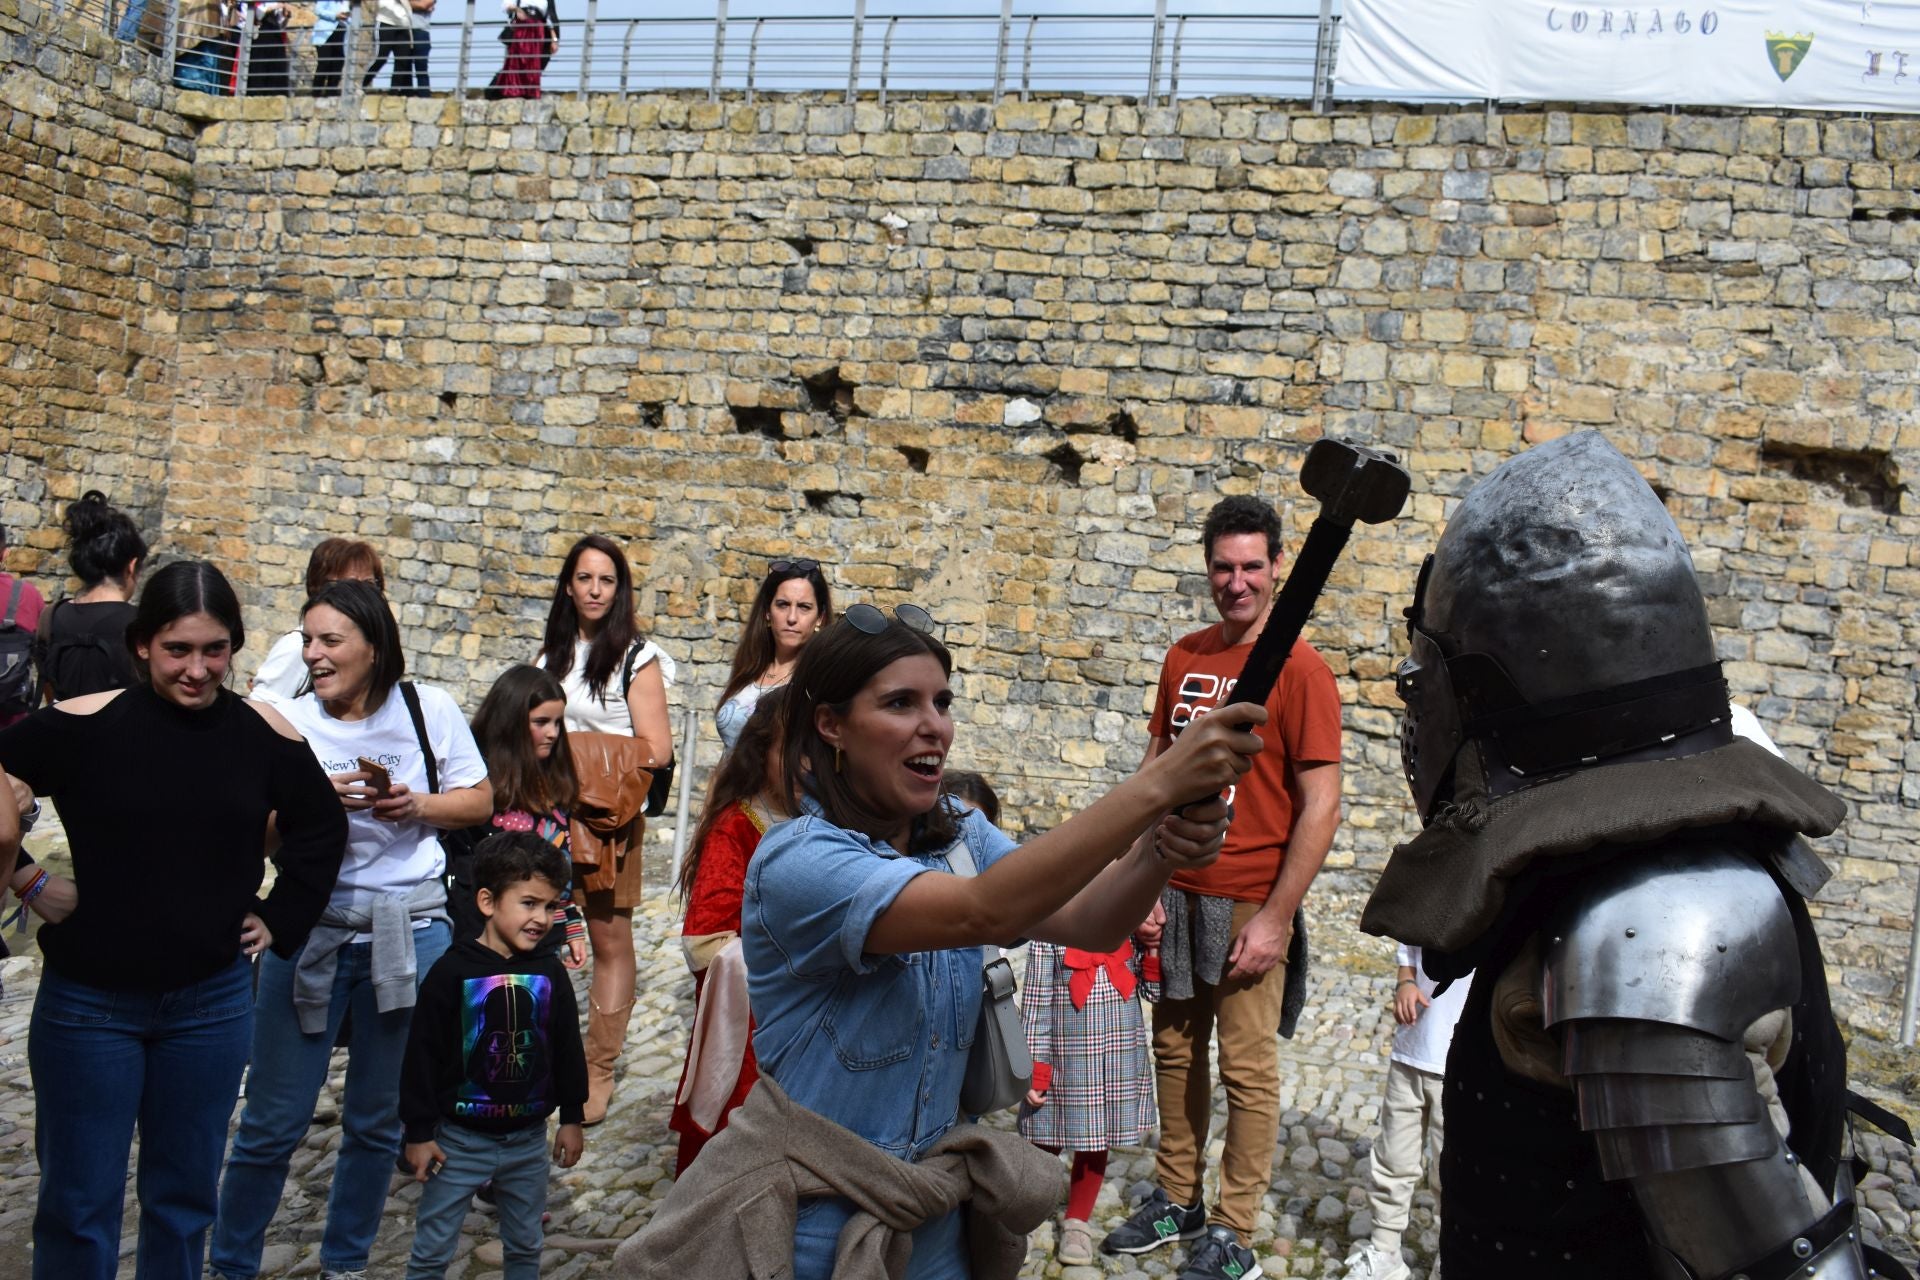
1082 965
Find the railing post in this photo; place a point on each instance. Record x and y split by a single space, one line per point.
466 50
626 55
1026 61
107 23
1910 1006
1173 72
1153 61
586 44
1000 50
350 86
1323 56
689 739
719 49
886 58
171 40
853 57
245 54
753 55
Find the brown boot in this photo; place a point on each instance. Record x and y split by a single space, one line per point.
606 1037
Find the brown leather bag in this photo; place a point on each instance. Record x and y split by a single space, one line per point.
605 825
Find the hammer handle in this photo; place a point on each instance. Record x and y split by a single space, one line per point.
1291 609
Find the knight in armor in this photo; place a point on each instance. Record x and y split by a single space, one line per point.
1646 1079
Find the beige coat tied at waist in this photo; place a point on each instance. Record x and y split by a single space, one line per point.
732 1213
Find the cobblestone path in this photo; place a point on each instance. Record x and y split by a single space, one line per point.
1333 1073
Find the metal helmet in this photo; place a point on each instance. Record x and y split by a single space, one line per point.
1557 626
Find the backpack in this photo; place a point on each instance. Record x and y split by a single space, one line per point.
79 662
19 688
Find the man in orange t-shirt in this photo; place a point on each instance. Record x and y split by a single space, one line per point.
1230 922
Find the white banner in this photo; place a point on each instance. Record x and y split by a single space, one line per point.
1830 55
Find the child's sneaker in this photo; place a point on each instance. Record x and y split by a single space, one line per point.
1076 1243
1369 1263
1157 1221
1221 1256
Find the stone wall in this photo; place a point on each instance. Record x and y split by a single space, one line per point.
96 180
1000 359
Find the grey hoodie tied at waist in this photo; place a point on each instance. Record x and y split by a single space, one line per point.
389 918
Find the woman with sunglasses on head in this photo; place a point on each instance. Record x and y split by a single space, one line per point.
863 950
384 926
616 683
145 1007
793 602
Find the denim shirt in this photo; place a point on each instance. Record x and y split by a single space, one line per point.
876 1043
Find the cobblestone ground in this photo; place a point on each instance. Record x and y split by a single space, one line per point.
1333 1073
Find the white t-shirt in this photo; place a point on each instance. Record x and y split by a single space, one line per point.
607 713
281 672
1424 1044
385 856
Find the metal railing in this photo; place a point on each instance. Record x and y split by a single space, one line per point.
1153 57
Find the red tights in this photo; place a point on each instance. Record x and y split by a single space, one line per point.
1083 1183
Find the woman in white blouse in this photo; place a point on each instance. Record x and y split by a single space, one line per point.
793 602
616 682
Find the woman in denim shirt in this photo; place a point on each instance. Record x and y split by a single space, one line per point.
864 972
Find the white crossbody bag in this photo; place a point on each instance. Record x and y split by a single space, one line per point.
999 1066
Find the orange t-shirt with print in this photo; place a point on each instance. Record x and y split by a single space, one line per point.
1303 727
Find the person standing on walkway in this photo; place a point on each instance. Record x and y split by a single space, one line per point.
1223 953
1411 1116
20 605
792 603
384 926
282 671
145 1005
83 639
616 682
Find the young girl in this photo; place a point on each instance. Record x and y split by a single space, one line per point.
521 730
741 805
1092 1079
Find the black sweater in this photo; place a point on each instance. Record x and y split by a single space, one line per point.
494 1045
166 812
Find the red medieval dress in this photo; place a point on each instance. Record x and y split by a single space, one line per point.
720 1045
529 38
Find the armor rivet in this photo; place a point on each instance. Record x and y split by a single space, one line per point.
1720 947
1632 933
1803 1248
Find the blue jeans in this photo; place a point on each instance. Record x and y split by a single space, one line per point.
288 1070
939 1246
129 26
106 1061
517 1164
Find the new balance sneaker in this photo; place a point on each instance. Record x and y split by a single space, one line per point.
1157 1221
1367 1262
1221 1256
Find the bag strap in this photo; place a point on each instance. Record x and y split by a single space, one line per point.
412 696
631 665
13 601
960 858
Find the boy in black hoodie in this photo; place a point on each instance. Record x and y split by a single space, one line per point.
494 1049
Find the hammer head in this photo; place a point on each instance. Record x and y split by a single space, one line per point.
1354 482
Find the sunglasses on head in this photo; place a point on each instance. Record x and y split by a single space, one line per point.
868 620
794 566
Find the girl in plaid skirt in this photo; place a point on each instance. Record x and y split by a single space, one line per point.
1092 1080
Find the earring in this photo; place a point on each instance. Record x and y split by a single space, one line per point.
836 759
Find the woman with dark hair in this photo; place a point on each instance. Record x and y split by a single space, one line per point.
793 602
82 639
521 730
616 682
742 802
145 1011
405 768
332 559
864 953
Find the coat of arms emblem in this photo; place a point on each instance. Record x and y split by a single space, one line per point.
1785 52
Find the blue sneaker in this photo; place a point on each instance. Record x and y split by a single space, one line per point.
1221 1256
1157 1221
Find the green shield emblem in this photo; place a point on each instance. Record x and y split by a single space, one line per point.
1785 53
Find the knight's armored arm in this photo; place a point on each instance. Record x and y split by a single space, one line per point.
1667 978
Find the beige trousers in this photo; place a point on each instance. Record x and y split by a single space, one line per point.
1410 1121
1246 1016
